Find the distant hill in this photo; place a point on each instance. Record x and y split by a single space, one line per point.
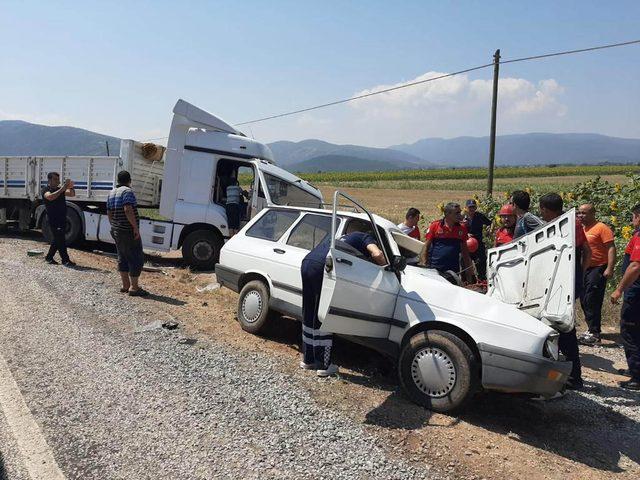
23 138
345 163
526 149
291 155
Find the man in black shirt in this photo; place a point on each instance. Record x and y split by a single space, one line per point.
54 196
475 222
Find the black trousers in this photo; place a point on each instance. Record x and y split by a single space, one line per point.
479 257
58 243
568 344
630 333
592 298
316 344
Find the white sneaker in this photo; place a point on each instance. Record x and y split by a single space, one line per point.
308 366
329 371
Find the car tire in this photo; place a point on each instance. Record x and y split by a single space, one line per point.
253 307
438 370
201 249
73 230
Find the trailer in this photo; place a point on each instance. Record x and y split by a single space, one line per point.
186 182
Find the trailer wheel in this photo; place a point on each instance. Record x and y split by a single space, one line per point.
438 370
73 228
253 307
201 249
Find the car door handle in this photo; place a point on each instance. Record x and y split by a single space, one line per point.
345 261
279 250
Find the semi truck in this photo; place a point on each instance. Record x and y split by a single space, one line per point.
186 182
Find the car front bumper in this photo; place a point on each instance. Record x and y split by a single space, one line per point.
517 372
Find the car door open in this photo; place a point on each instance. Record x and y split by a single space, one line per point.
358 297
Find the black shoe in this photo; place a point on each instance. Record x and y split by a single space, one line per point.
574 384
630 385
51 261
69 263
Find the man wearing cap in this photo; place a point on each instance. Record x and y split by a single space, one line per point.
505 233
445 241
475 222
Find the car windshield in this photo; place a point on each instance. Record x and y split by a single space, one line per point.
285 193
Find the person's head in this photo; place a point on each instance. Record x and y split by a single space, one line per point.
53 179
587 214
550 206
635 220
452 213
521 201
412 217
507 216
471 206
124 178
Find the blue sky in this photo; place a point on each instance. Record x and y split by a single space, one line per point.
118 67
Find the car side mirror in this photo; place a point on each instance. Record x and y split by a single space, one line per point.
398 263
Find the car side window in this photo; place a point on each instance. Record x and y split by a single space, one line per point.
311 230
272 225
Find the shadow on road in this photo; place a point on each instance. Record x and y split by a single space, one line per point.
3 471
164 299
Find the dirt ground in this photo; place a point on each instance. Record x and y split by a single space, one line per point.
498 437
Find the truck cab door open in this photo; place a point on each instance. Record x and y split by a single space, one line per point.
536 273
358 296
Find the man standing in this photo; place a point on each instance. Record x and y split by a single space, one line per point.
475 222
630 315
316 344
54 196
504 234
551 206
123 215
526 221
603 261
445 241
410 224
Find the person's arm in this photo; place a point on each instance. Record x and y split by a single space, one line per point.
68 184
586 256
466 261
424 254
376 254
131 216
485 220
611 259
630 275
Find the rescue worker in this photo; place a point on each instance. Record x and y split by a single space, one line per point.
601 267
410 224
317 344
505 233
630 314
526 221
55 204
475 222
445 241
551 206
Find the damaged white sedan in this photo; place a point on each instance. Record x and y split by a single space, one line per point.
448 341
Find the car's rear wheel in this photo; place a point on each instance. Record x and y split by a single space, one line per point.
438 370
253 306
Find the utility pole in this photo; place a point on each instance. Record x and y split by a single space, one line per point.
106 142
494 105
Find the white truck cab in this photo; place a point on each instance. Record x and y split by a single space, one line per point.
447 341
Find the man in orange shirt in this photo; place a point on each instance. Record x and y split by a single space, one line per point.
603 261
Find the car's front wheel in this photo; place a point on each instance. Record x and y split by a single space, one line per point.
253 306
438 370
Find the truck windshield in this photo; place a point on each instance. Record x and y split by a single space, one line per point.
285 193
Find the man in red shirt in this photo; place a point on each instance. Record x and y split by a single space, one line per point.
504 235
630 314
445 241
551 206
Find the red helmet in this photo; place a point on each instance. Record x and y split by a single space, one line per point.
472 244
506 210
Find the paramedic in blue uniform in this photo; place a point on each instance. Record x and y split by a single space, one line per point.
316 344
630 314
445 241
54 196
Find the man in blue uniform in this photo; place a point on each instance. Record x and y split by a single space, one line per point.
475 222
316 344
630 314
54 196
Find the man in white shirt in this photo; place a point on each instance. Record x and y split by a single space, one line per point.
410 225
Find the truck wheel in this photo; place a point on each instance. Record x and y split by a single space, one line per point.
73 228
438 371
201 249
253 306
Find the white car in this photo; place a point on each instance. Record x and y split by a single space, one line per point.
448 341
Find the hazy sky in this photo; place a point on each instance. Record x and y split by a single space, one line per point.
119 67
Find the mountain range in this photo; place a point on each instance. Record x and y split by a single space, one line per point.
23 138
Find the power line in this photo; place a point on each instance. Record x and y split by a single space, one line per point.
412 84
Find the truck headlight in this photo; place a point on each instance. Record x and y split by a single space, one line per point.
550 349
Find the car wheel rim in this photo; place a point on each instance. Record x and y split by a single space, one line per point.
251 306
202 251
433 372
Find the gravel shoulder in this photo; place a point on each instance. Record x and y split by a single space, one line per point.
233 404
